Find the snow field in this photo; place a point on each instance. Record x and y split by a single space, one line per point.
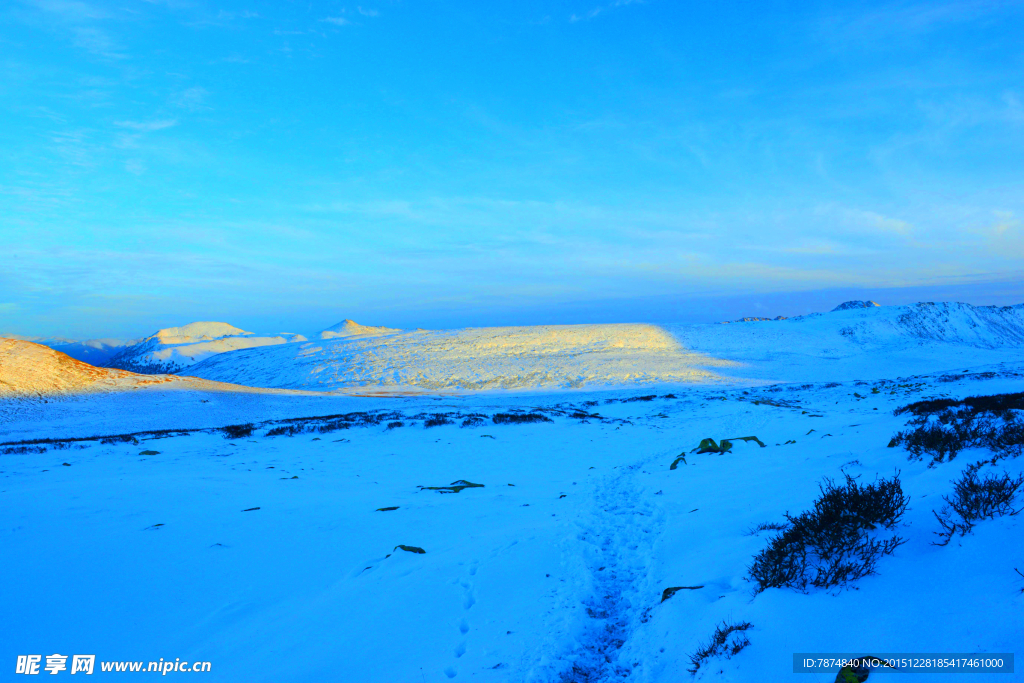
473 359
517 583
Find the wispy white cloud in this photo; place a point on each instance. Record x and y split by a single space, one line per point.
1014 108
71 10
337 21
1006 221
191 99
904 18
81 22
221 18
885 224
367 12
597 11
147 126
135 167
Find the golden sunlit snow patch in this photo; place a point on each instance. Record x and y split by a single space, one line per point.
27 368
543 356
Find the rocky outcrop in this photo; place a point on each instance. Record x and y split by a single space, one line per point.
849 305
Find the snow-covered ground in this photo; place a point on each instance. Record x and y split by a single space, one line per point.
559 356
140 551
861 343
277 556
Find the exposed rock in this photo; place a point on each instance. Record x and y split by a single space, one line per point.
847 305
411 549
669 592
753 319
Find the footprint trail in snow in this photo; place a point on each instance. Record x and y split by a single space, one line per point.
615 543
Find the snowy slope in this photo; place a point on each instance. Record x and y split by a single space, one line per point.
30 369
864 343
273 558
93 351
350 328
33 375
175 348
563 356
849 343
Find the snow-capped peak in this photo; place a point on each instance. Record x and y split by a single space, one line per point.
848 305
198 331
350 328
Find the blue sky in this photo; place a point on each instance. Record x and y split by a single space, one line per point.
284 165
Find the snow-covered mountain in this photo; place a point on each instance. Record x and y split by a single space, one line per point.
350 328
473 359
850 305
175 348
93 351
32 369
856 341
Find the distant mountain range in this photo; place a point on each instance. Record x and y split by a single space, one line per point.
174 349
856 340
845 306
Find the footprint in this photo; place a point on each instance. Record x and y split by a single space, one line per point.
451 672
460 649
469 601
463 626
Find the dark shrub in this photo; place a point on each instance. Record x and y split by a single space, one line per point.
830 545
237 431
19 450
120 438
287 430
766 526
396 424
519 418
943 427
142 367
333 426
436 420
994 403
975 498
727 640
